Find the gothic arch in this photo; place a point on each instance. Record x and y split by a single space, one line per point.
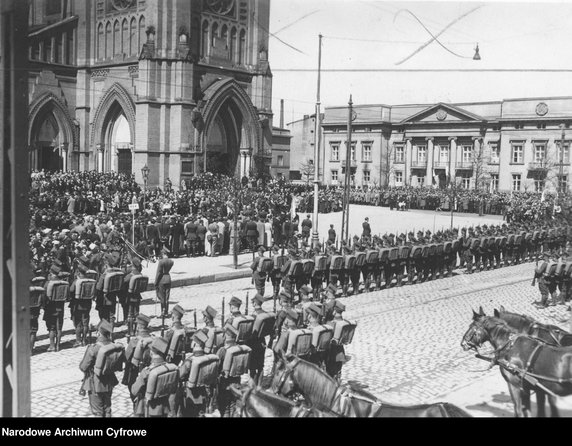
50 102
115 94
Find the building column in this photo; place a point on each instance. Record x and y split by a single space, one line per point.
452 157
408 153
64 154
476 148
100 149
429 170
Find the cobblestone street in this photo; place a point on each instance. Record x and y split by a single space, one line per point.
406 348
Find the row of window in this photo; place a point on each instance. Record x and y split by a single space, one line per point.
366 176
215 36
126 38
57 48
365 152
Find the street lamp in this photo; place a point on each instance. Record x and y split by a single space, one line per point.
560 178
145 173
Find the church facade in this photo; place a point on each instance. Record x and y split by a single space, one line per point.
179 86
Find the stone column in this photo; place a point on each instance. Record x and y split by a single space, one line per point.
100 149
452 157
429 170
476 149
408 151
64 154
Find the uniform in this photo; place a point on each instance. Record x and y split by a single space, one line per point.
258 277
54 311
225 399
163 283
258 345
137 353
335 356
306 228
80 309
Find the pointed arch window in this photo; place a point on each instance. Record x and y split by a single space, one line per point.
108 41
205 39
224 36
232 53
141 38
242 48
116 39
124 33
100 42
214 34
133 37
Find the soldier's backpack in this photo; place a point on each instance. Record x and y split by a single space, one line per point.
296 268
528 237
279 261
58 290
300 342
439 249
567 269
138 284
344 332
263 325
265 265
236 360
475 243
416 251
518 240
504 241
36 294
349 261
321 337
112 281
484 243
393 254
372 256
361 258
510 240
162 382
384 254
85 289
189 333
320 263
456 244
541 268
130 349
140 349
308 266
425 251
536 236
337 262
431 249
109 360
244 325
204 371
551 268
91 274
448 247
404 252
215 339
177 343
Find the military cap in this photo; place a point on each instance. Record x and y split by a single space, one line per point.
292 315
258 298
314 309
178 309
339 307
200 338
105 327
261 249
113 259
38 279
82 268
331 287
160 346
209 312
230 331
235 301
143 319
54 269
285 295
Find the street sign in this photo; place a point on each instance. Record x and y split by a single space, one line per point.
167 206
133 206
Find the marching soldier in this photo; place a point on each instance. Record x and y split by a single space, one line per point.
130 304
196 399
258 277
225 399
276 274
163 281
290 322
99 386
304 303
335 357
314 314
137 353
466 250
54 309
306 228
176 315
234 305
155 402
546 283
105 302
37 300
209 314
258 345
80 307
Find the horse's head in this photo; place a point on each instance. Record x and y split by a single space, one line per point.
476 335
282 382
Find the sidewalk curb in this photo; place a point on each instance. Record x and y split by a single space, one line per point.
209 278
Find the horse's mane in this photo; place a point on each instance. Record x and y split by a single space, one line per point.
316 384
267 404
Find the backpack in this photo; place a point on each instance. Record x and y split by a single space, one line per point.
263 325
163 381
58 290
383 254
448 247
416 252
142 345
361 258
112 281
177 343
321 337
404 252
300 342
372 256
349 261
91 274
344 332
439 249
337 262
109 360
320 263
296 268
394 253
308 266
236 360
475 243
265 265
279 261
215 339
138 284
85 289
244 325
204 371
36 293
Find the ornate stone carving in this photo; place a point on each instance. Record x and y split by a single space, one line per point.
100 74
222 7
541 108
441 115
133 70
122 5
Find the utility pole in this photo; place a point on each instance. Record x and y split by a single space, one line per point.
317 141
561 169
347 178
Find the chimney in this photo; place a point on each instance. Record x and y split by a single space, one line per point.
281 113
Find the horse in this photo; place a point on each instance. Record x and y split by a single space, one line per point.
259 403
526 363
323 392
550 334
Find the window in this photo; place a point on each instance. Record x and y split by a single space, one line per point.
232 53
516 181
142 36
205 40
48 50
563 182
539 152
466 182
116 39
517 156
280 160
224 36
132 37
563 157
495 153
353 152
366 176
242 48
467 154
53 7
494 182
214 34
334 175
421 180
335 152
541 126
399 178
443 154
518 126
421 154
70 59
538 185
108 40
399 154
124 34
366 152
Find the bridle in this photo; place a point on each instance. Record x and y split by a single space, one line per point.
289 369
243 411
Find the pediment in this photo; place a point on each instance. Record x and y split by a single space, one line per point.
442 113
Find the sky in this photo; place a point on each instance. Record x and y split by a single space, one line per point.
383 52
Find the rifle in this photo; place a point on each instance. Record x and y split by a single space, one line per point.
246 309
162 323
195 317
222 315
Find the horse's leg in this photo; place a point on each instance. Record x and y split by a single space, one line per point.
525 398
554 413
516 399
540 399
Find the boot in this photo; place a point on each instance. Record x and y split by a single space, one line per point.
32 341
78 333
85 335
58 338
52 347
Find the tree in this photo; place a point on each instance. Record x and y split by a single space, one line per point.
307 170
387 165
480 162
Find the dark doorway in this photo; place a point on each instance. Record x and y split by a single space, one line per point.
49 159
124 162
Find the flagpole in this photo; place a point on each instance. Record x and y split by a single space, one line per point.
317 140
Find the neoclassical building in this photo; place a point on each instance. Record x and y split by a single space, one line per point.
180 86
513 144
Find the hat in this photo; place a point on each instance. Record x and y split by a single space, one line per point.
258 298
285 295
160 346
339 307
331 287
65 231
55 269
200 337
314 309
105 327
178 309
143 319
113 258
366 218
292 315
306 289
230 331
235 301
209 312
261 249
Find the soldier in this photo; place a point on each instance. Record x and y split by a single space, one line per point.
335 357
54 309
156 402
306 228
201 234
290 280
276 274
176 315
344 274
290 322
234 305
366 228
163 281
80 305
546 283
37 300
137 353
225 399
466 249
191 237
314 314
209 314
331 235
105 302
258 345
251 235
258 277
99 386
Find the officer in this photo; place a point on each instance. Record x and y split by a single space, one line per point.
54 310
258 345
195 400
162 406
80 308
335 356
258 277
163 281
366 228
466 249
306 228
176 315
225 399
99 388
234 305
314 314
332 234
130 304
137 353
191 237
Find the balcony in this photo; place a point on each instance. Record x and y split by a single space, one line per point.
353 163
464 165
539 166
419 164
441 164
